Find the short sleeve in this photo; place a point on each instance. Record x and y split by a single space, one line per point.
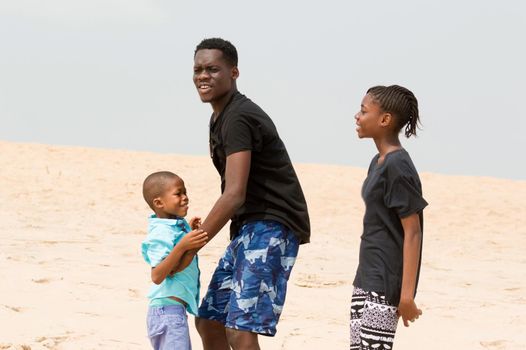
404 196
239 135
158 244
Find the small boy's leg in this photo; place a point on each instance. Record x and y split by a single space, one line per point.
178 335
168 328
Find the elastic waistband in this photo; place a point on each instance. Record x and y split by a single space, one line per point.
166 310
267 222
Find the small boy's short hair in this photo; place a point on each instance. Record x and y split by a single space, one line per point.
155 184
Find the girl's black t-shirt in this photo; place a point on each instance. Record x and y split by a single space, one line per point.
392 190
273 188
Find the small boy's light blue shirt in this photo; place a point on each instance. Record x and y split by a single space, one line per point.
163 235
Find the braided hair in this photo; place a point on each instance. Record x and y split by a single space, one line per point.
401 103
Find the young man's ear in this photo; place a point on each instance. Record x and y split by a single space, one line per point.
235 73
157 202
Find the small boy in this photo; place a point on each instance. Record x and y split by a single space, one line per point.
176 282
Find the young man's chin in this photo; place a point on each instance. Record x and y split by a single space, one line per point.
205 99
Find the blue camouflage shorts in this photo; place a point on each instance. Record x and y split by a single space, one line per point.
248 288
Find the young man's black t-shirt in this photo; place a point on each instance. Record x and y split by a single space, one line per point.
273 189
392 190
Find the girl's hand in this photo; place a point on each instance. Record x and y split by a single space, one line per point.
195 222
194 240
408 310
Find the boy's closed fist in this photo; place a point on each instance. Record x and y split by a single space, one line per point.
195 222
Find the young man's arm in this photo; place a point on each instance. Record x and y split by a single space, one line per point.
233 197
193 240
236 179
407 308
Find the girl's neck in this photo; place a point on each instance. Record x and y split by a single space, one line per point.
387 145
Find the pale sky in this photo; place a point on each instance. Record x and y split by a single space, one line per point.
118 74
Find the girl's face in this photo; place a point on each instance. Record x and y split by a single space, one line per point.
369 118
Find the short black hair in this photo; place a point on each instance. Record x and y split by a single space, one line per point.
229 51
155 185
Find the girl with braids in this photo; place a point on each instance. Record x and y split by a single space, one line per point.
391 244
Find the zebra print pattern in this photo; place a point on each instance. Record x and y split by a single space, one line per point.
373 321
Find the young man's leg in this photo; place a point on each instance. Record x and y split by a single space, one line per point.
263 263
213 334
212 313
242 340
247 291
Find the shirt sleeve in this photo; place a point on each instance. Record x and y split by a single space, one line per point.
403 195
158 244
239 135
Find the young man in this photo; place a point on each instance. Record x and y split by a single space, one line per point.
262 196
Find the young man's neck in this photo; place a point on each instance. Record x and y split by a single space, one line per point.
219 106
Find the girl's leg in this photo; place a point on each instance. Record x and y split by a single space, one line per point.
378 323
357 304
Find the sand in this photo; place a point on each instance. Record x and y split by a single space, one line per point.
72 276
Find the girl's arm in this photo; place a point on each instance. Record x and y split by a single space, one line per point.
193 240
407 308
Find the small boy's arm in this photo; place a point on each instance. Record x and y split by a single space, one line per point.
162 270
186 260
193 240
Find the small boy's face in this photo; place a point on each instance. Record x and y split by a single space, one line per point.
174 201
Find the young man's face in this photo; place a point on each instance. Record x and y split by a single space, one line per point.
174 201
214 77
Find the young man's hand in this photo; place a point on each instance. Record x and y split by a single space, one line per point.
408 310
195 222
194 240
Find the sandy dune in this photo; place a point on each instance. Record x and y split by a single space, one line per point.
72 277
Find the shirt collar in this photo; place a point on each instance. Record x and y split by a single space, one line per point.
172 222
232 98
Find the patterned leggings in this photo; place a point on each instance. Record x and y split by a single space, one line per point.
373 321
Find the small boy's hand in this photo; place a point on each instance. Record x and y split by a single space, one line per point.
408 311
194 240
195 222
